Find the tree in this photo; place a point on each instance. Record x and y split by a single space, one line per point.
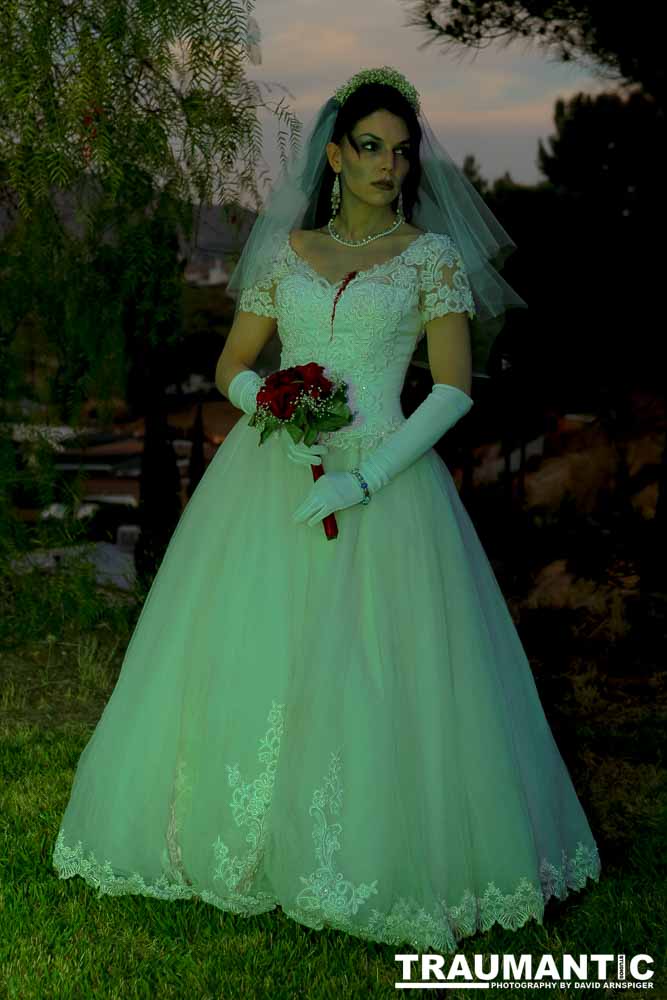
599 169
197 463
471 170
613 43
129 109
107 86
603 151
141 110
160 500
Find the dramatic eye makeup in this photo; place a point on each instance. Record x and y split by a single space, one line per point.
365 137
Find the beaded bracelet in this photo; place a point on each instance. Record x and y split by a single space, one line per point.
363 484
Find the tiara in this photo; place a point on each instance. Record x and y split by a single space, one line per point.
383 74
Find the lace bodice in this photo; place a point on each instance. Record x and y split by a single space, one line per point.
367 334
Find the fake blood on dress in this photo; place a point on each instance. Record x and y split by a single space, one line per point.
348 278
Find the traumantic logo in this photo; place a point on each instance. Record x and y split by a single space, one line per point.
493 972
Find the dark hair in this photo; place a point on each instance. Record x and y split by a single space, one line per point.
363 101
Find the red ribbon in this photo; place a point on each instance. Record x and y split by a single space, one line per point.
329 522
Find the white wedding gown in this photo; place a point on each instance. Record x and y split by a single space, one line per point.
347 729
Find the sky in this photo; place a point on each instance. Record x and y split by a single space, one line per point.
494 103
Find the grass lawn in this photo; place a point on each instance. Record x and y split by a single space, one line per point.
598 662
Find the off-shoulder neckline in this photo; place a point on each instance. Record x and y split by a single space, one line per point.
367 270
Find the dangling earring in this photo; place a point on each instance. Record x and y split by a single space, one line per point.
399 207
335 197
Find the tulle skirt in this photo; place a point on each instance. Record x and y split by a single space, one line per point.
347 729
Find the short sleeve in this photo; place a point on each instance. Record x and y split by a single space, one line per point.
445 286
259 297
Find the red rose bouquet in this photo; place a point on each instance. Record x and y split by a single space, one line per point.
303 401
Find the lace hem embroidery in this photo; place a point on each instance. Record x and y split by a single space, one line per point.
326 897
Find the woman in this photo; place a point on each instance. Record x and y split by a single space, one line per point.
348 729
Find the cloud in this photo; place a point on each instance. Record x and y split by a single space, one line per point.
535 116
496 93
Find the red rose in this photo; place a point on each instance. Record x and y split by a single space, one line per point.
279 393
281 389
283 402
315 382
286 376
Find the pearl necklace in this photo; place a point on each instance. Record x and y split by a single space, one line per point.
368 239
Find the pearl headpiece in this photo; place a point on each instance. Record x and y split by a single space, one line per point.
382 74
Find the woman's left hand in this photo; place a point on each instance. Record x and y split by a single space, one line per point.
333 491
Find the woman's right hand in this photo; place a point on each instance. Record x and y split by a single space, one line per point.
303 454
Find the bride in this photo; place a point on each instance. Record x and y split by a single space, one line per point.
347 728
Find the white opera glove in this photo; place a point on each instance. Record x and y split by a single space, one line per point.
442 408
303 454
338 490
243 388
331 492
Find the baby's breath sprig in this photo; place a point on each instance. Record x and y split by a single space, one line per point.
309 415
302 398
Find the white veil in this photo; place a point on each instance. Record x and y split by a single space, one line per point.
447 203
